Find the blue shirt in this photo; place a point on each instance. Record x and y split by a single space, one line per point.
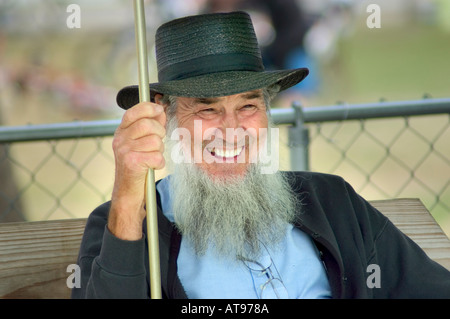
297 265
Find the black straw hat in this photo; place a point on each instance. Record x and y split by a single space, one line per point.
210 55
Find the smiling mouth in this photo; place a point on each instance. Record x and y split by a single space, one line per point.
225 153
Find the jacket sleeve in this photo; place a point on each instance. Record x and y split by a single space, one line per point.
405 269
110 267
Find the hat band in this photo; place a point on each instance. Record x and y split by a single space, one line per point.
210 64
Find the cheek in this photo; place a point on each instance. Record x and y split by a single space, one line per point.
201 134
257 126
257 129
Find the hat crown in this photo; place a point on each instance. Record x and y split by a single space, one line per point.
207 43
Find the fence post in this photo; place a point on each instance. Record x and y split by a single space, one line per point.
298 141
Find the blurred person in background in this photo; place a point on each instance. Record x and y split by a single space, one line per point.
281 28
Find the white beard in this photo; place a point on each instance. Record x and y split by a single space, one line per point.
232 216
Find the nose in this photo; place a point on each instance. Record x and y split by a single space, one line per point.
234 130
230 120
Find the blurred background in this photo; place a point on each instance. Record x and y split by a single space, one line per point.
51 72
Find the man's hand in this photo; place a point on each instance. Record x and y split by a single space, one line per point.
138 146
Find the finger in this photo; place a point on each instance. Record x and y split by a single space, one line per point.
153 160
150 143
133 159
139 111
145 127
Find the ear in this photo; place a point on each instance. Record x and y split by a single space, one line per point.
158 99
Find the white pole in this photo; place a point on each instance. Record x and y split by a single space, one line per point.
150 194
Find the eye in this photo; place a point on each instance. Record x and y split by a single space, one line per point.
248 108
207 113
209 110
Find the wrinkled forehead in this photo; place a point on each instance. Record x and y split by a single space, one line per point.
250 95
260 94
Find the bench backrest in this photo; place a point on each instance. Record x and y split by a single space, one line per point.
34 256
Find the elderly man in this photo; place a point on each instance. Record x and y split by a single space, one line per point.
227 227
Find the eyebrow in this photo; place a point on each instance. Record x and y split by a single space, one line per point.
252 95
206 100
211 100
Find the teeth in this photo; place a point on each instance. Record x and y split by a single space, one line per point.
226 153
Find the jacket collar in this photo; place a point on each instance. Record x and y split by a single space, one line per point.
313 220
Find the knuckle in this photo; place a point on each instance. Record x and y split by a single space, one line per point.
163 131
142 127
156 142
128 116
117 142
148 127
159 160
155 159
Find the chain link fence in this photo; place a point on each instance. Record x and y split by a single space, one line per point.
65 170
56 179
390 158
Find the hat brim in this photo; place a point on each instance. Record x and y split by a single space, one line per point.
215 85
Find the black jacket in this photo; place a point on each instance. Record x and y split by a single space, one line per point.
349 233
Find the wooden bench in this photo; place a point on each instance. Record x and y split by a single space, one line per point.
34 256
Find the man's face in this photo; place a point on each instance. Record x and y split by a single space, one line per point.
224 131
